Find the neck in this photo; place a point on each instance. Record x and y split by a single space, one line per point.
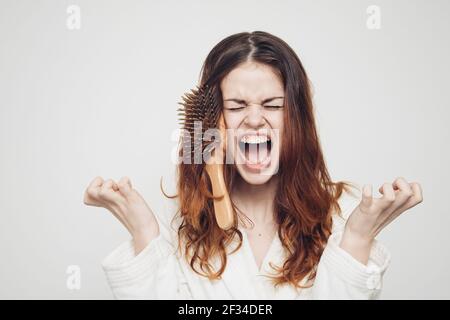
256 201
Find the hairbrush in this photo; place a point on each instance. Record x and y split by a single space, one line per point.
201 107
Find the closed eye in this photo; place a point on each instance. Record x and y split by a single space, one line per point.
240 108
235 109
274 107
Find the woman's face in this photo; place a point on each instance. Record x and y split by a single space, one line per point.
253 98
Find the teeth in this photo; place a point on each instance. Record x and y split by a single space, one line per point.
255 139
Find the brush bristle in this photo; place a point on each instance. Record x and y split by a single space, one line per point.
201 104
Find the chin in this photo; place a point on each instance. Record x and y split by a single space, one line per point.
252 178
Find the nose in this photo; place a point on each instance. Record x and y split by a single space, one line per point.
255 116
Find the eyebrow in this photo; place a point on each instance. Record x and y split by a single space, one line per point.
243 101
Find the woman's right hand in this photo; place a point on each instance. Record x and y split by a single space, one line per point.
127 205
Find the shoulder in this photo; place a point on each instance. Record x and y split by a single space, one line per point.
348 201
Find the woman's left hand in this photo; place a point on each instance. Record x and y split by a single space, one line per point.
373 214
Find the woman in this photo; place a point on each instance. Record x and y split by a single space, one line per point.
297 234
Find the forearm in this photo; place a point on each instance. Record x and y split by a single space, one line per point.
143 238
358 247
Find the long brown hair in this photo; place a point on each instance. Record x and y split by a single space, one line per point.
305 198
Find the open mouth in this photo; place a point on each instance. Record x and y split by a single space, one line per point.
256 150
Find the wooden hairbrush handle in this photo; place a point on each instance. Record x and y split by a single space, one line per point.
222 207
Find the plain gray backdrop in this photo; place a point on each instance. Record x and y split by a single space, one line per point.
102 100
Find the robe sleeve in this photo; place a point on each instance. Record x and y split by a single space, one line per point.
339 275
155 272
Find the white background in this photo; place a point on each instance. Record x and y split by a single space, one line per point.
102 100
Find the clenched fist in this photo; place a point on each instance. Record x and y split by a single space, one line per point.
127 205
374 214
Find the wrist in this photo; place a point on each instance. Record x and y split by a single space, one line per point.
357 239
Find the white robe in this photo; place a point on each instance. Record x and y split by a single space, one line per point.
157 272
